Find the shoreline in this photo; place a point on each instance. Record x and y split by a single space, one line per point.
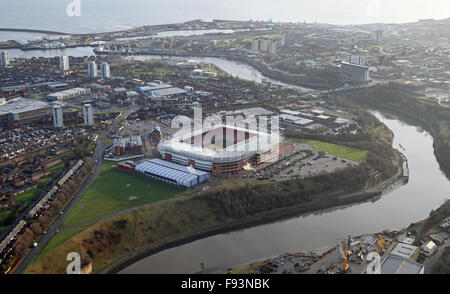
341 200
445 168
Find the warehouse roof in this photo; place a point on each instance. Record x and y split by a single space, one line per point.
400 265
22 105
168 91
295 119
181 175
249 111
404 250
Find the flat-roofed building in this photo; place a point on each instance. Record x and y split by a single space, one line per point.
23 109
354 72
400 265
405 250
172 173
69 94
294 120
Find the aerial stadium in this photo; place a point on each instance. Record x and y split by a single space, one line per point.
221 149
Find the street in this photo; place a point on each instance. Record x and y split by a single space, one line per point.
59 220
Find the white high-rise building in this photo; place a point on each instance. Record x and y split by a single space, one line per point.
64 63
357 59
283 40
4 59
92 70
265 44
88 115
105 70
273 47
378 35
58 120
255 45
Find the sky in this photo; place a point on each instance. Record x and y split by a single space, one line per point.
48 14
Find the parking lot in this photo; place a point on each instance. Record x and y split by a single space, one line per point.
303 162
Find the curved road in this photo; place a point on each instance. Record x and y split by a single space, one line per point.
59 220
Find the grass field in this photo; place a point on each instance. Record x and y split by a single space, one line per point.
58 239
115 190
56 169
141 227
273 36
67 156
334 149
380 133
4 214
25 197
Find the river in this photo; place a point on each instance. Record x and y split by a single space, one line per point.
427 189
234 68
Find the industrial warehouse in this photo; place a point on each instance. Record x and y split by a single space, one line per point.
22 109
167 172
222 149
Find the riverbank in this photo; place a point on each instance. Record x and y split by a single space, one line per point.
329 260
272 74
335 201
164 227
426 121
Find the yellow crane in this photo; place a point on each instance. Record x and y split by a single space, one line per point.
345 265
346 253
382 242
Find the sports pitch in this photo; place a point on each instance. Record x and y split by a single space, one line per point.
115 190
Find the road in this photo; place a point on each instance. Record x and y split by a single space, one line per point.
59 220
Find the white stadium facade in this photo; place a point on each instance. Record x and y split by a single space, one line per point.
221 149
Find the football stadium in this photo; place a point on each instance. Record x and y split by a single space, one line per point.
221 149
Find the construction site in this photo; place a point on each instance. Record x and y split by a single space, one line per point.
388 252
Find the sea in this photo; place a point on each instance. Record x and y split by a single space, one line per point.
90 16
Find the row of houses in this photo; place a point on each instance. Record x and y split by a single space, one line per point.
42 204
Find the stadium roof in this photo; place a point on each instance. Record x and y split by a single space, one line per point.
261 142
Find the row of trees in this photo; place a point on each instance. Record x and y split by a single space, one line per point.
249 199
415 109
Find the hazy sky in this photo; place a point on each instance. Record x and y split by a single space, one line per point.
108 13
342 11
